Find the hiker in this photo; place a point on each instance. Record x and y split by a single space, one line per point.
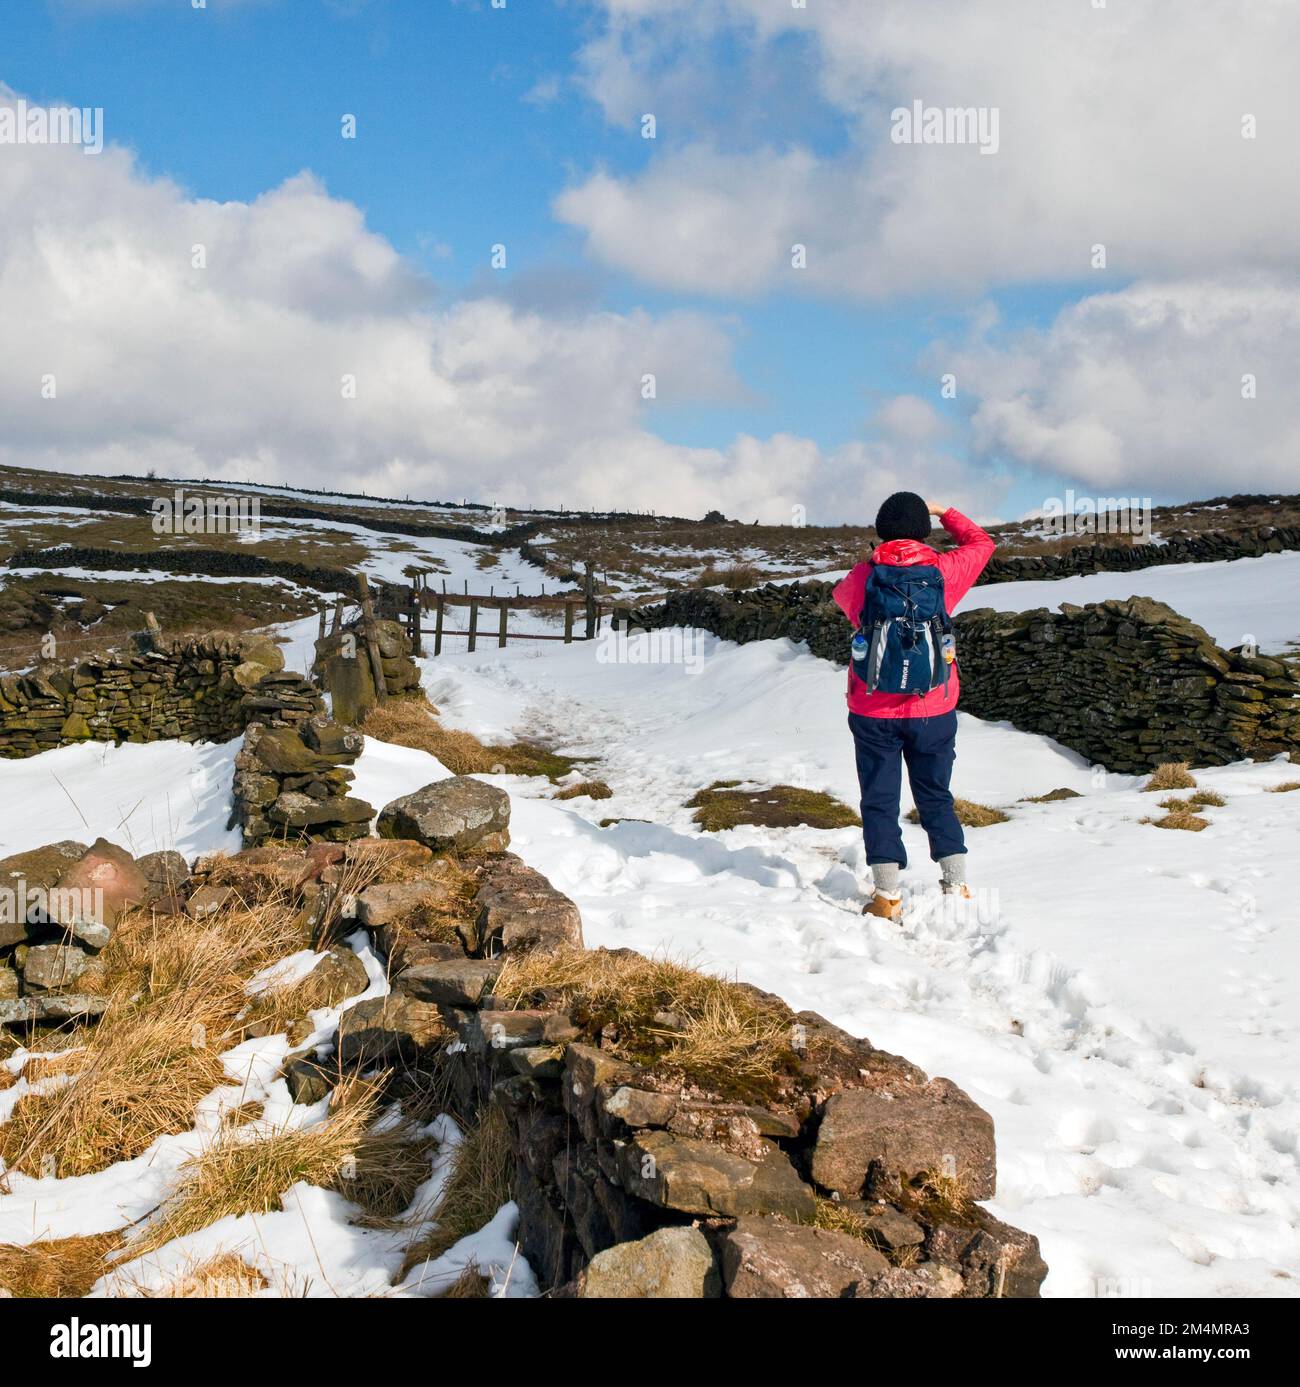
903 686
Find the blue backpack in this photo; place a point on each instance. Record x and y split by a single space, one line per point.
903 644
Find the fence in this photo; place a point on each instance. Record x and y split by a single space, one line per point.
410 603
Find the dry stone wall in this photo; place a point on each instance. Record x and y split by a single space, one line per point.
205 689
1126 683
633 1179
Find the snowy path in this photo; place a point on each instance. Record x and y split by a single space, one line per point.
1121 999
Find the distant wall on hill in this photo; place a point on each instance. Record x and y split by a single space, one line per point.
208 689
1211 547
1128 684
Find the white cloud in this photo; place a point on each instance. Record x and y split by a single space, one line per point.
236 370
1142 390
1120 125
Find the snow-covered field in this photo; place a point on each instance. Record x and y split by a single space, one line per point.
1122 999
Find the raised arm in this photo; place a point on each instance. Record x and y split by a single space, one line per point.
961 566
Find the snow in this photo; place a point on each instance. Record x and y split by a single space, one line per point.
1123 1000
146 798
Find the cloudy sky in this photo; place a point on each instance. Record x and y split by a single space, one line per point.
1104 297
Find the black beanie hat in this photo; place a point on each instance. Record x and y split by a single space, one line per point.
903 516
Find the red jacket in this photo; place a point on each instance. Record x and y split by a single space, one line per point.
960 567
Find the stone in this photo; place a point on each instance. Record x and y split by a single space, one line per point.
8 983
925 1281
25 880
459 983
456 814
350 683
165 872
635 1107
696 1177
296 810
993 1258
95 891
518 909
309 1081
669 1264
282 750
894 1139
769 1259
207 900
538 1061
51 967
261 650
333 739
505 1030
401 902
52 1006
339 975
389 1030
890 1230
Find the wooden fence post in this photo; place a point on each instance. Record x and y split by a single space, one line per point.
439 604
501 633
568 623
413 621
473 624
589 586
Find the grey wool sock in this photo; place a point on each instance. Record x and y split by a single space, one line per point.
884 876
953 869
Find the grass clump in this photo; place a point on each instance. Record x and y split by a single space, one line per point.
1051 796
1182 819
735 577
224 1276
589 789
480 1181
720 807
969 814
59 1267
1171 775
1202 799
176 993
1284 788
718 1034
413 722
244 1172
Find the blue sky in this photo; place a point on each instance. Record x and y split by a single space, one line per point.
471 121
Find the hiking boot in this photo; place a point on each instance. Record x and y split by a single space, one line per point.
958 889
885 907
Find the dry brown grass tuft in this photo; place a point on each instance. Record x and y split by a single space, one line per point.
735 577
1180 819
480 1181
59 1267
969 814
176 988
723 1035
471 1284
1284 788
241 1174
832 1215
225 1276
412 722
590 789
1171 775
1207 799
948 1193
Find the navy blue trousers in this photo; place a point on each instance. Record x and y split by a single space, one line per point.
929 747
